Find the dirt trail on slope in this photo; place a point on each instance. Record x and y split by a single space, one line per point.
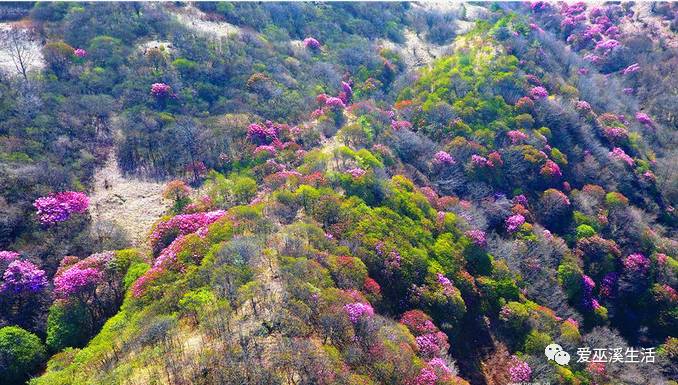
132 204
197 20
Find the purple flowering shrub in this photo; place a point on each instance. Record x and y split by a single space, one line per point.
59 207
22 276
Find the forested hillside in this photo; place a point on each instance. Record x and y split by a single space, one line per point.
338 193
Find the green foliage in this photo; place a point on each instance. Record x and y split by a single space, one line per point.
536 342
585 231
21 353
68 325
135 271
197 302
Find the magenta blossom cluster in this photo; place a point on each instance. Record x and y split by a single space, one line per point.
520 200
478 237
516 136
583 106
400 124
183 224
161 90
645 119
311 43
443 158
76 280
478 161
79 52
551 169
333 101
356 172
514 222
59 207
265 149
519 371
432 344
635 67
262 134
619 154
8 256
23 276
358 310
435 370
637 262
538 93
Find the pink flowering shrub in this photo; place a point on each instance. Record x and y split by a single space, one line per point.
8 256
23 276
358 310
637 262
259 134
443 158
519 371
516 136
418 322
79 52
76 280
400 124
356 172
432 344
59 207
183 224
514 222
311 43
551 169
478 161
336 102
478 237
583 106
436 372
161 90
645 119
538 93
619 154
635 67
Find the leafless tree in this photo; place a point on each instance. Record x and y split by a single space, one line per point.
19 43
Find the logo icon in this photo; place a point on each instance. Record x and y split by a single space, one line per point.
555 352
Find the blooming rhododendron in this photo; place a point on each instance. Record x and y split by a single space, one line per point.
358 310
183 224
443 158
619 154
333 101
478 161
514 222
400 124
583 106
551 168
311 43
8 256
75 280
23 276
432 344
59 207
644 119
538 93
519 371
635 67
161 90
478 237
516 136
261 134
418 322
637 262
356 172
79 52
